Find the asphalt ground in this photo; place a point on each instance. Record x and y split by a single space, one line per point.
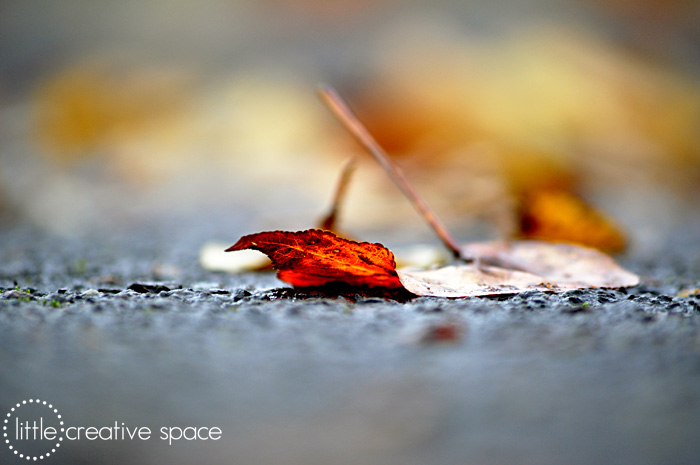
125 326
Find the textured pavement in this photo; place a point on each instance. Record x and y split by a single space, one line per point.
128 328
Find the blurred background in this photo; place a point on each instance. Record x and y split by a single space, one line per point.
115 114
134 131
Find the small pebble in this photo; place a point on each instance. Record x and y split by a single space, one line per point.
15 294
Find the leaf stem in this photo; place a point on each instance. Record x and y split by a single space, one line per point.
345 115
329 221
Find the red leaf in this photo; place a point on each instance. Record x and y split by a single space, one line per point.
314 258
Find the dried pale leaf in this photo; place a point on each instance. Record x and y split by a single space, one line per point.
469 280
523 266
213 258
556 263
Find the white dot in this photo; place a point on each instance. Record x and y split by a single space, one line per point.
44 402
31 401
62 430
21 455
5 420
7 441
24 402
58 416
13 409
9 414
61 422
18 405
47 454
55 410
50 406
15 452
10 447
4 427
58 444
60 439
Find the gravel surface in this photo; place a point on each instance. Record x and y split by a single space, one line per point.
127 327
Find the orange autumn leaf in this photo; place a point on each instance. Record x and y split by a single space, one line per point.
314 258
559 216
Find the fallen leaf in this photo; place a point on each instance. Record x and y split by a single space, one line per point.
559 215
82 107
314 258
511 267
469 280
555 262
688 292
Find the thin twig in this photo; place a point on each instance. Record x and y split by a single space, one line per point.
329 221
341 110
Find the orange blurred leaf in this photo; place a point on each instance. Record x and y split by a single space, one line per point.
314 258
559 216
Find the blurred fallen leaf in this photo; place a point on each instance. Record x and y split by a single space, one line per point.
86 106
560 216
213 258
546 206
690 292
